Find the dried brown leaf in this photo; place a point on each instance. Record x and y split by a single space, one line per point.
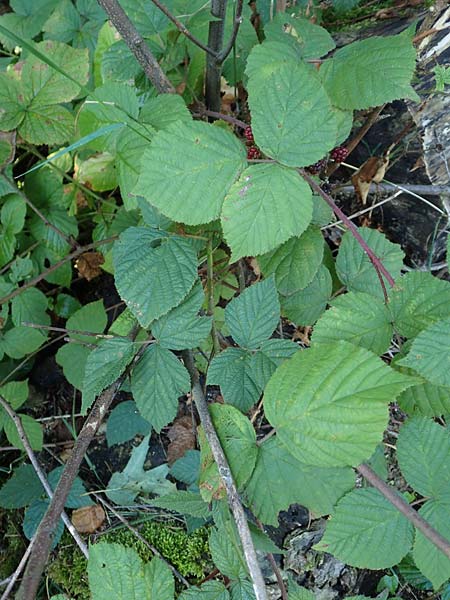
88 264
182 438
372 171
88 519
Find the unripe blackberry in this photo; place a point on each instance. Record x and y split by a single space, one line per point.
253 153
249 134
326 187
316 167
339 154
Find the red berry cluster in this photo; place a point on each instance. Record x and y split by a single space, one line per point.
249 134
339 154
253 153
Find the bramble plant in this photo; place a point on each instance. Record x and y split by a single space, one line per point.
177 196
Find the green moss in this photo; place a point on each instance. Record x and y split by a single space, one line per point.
188 553
334 20
69 569
12 545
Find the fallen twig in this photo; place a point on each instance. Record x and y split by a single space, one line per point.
225 474
41 546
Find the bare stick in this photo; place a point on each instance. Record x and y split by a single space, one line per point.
39 472
68 239
237 23
222 117
378 265
182 28
43 275
135 532
137 45
425 190
43 541
227 478
102 336
213 67
394 498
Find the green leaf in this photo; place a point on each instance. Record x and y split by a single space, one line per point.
163 110
15 393
34 515
423 453
117 572
53 239
329 404
182 328
187 468
265 207
352 77
354 268
153 271
124 423
64 22
97 172
12 110
431 561
303 128
358 318
20 341
296 262
425 399
184 503
270 356
280 480
232 370
242 590
33 431
210 590
268 57
182 162
157 381
146 16
430 353
131 144
309 40
226 554
103 366
73 356
46 85
297 592
305 306
417 301
237 438
254 314
77 496
13 213
47 124
30 307
367 531
21 489
111 103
